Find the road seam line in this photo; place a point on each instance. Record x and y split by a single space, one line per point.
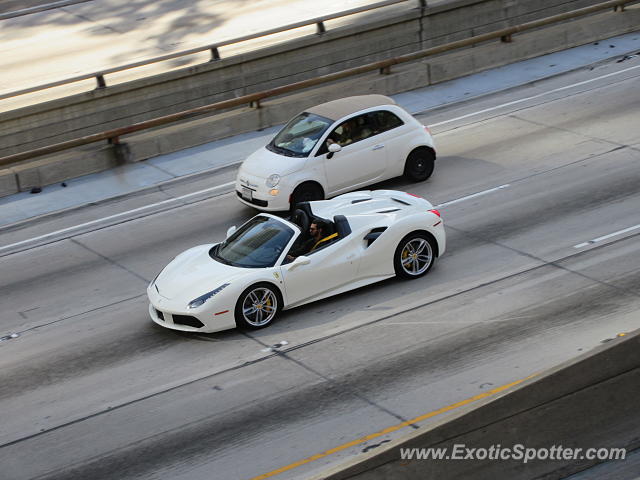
334 384
332 335
110 261
393 428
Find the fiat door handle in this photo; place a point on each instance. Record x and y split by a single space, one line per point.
378 147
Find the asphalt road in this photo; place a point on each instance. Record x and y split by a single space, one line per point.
92 389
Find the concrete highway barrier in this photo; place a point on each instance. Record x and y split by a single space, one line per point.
121 105
303 58
587 403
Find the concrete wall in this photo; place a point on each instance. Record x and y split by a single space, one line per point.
156 96
590 402
304 58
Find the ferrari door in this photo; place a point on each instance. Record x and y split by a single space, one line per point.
328 269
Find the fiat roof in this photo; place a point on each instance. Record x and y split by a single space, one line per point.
336 109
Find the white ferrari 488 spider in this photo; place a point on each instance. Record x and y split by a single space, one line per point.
270 264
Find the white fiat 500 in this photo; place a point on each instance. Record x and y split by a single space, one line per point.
334 148
270 264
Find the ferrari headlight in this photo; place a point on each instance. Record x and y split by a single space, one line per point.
195 303
273 180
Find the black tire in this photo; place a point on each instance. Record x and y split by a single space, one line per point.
416 243
307 192
270 303
419 165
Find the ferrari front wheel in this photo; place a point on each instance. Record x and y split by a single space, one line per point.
257 306
414 255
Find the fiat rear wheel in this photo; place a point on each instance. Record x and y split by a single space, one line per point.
419 165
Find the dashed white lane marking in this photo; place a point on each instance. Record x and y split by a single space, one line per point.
604 237
111 217
182 197
473 195
65 230
515 102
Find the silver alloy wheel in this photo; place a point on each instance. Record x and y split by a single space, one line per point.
259 306
416 256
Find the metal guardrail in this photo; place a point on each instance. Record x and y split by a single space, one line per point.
383 66
213 48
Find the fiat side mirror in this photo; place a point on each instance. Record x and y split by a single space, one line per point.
333 148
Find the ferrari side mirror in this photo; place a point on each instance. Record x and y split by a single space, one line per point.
301 260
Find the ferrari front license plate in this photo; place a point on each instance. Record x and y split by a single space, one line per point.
247 193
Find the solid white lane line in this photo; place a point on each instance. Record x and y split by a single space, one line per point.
473 195
111 217
604 237
58 232
515 102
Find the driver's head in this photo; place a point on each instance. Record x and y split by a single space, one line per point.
315 229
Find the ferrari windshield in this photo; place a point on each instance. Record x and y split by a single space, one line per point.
300 135
256 244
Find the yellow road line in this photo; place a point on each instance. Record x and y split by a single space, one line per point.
391 429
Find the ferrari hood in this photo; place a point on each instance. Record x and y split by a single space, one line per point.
264 163
194 273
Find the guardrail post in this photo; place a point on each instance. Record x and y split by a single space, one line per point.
101 82
215 55
422 3
121 150
385 70
254 104
615 9
320 28
506 38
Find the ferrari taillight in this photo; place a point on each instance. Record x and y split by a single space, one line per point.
435 211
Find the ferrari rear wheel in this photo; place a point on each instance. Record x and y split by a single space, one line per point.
414 255
258 306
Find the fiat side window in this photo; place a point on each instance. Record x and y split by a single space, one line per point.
350 131
385 120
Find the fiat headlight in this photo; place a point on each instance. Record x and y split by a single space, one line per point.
273 180
196 302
